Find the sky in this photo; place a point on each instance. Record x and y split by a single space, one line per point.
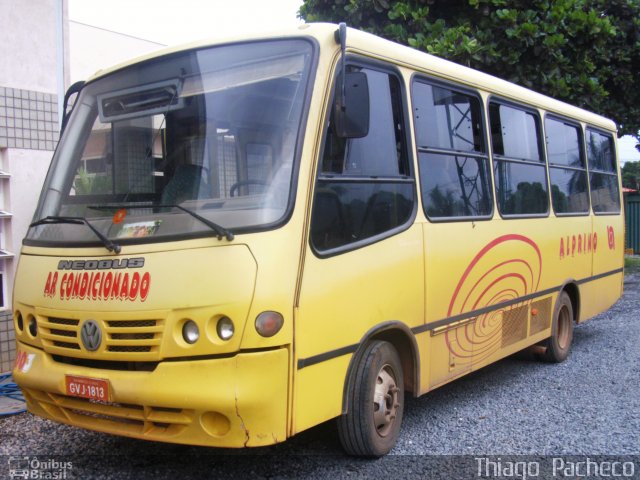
172 22
627 151
180 21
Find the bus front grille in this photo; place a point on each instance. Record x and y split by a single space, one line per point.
153 422
133 336
62 333
125 340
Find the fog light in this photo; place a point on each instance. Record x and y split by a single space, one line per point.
190 332
269 323
33 326
215 424
19 322
225 328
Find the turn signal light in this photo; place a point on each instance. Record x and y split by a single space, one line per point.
269 323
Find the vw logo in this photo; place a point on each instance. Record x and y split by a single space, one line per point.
91 335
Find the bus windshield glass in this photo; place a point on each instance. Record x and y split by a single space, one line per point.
210 132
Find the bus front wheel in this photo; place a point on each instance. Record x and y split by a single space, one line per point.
376 401
557 347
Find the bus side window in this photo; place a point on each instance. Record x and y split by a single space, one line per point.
454 166
567 169
521 177
364 188
603 173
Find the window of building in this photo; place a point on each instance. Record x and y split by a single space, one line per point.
520 173
603 172
454 166
5 240
365 189
567 169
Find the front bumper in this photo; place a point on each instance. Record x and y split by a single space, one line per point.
238 401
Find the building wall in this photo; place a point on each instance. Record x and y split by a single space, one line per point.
28 44
29 116
93 48
29 97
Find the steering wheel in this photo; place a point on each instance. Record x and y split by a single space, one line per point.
242 183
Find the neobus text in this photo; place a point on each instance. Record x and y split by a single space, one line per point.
137 262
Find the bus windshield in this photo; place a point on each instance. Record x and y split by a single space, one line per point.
210 132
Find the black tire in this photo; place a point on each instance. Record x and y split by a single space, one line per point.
375 405
558 345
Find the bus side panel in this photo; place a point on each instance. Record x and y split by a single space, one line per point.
602 294
606 288
484 267
472 266
318 392
569 247
342 298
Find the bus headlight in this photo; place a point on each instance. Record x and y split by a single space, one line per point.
225 328
33 326
190 332
19 322
269 323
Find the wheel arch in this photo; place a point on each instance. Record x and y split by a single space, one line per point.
572 289
403 340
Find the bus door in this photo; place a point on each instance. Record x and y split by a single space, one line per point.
364 268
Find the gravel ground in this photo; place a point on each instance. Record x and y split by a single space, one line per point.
586 406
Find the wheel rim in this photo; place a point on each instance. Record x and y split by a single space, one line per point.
385 400
564 327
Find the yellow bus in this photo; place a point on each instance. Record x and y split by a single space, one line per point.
238 241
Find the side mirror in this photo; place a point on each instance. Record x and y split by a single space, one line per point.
66 111
351 109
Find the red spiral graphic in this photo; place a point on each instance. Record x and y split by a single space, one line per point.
507 268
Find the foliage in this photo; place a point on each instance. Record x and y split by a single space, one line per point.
631 175
632 264
88 184
529 197
585 52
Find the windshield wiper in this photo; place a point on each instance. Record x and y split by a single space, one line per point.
109 245
218 229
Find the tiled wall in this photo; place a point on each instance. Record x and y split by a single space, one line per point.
28 119
7 343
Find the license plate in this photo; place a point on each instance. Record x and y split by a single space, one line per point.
91 388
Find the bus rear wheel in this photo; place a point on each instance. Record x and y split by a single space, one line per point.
376 402
559 344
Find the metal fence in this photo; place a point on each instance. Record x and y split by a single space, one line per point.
632 212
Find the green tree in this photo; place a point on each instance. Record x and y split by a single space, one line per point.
585 52
631 175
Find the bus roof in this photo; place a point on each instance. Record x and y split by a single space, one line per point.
377 47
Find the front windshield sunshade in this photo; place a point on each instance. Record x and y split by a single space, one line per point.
140 101
209 132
